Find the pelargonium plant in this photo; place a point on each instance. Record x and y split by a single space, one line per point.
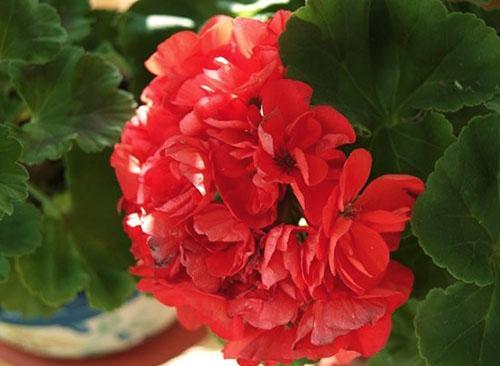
244 210
313 183
270 175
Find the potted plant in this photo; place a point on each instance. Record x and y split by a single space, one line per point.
308 179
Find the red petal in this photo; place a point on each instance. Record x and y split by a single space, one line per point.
339 316
313 169
172 54
248 33
217 223
291 98
395 288
390 192
187 317
211 309
216 34
334 124
372 338
268 313
361 258
354 175
384 221
304 133
340 227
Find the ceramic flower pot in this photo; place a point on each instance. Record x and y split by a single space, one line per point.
78 331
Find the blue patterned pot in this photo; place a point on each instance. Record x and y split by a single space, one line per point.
78 331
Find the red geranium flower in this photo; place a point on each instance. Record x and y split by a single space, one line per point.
217 170
182 162
363 228
296 140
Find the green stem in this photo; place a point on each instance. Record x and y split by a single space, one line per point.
49 207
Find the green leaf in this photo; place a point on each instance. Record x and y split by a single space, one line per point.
73 98
411 147
457 218
97 232
13 176
401 348
54 271
14 296
427 274
302 362
20 232
11 105
475 2
4 268
74 17
29 31
460 326
491 16
83 247
104 28
371 61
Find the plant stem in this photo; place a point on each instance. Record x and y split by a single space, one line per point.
49 207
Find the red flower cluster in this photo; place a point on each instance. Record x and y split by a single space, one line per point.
243 211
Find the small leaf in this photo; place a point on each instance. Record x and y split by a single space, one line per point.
20 232
14 296
401 348
73 98
460 326
54 271
29 31
411 147
74 17
96 228
13 176
490 16
379 61
457 218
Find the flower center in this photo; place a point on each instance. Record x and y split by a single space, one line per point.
285 162
349 211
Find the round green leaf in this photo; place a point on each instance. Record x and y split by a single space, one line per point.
20 232
74 17
457 218
75 97
84 248
54 271
29 31
97 231
379 61
13 176
15 296
411 147
460 326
